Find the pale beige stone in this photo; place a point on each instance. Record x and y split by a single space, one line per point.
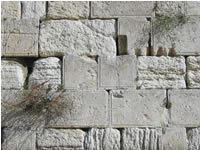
193 139
193 8
11 9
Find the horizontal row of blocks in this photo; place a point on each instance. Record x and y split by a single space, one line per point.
118 108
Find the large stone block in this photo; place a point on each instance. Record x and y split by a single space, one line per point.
142 108
61 138
48 71
69 10
184 107
179 36
193 8
79 73
174 139
81 108
13 75
20 37
120 9
11 9
133 35
193 139
33 9
98 139
141 139
161 72
86 37
193 72
117 72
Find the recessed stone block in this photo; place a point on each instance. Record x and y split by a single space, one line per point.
117 72
142 108
161 72
11 9
80 73
184 107
133 35
69 10
193 138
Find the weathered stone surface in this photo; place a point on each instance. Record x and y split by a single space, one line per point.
193 139
193 8
82 107
181 39
140 139
20 37
139 108
11 9
86 37
133 35
117 72
80 73
161 72
61 138
46 70
98 139
13 75
193 72
69 10
31 9
185 107
119 9
174 139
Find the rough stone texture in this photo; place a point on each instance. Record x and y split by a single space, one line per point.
33 9
184 107
86 37
100 139
20 37
174 139
141 139
13 75
193 8
161 72
120 9
139 108
86 109
68 10
183 39
193 139
133 35
11 9
117 72
79 73
193 72
46 70
61 138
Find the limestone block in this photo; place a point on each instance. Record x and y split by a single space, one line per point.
11 9
161 72
83 37
193 72
68 10
61 138
184 107
117 72
174 139
119 9
193 139
85 109
31 9
79 73
13 75
133 35
180 37
139 108
46 70
20 37
98 139
193 8
140 139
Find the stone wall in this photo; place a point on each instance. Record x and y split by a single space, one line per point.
109 75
